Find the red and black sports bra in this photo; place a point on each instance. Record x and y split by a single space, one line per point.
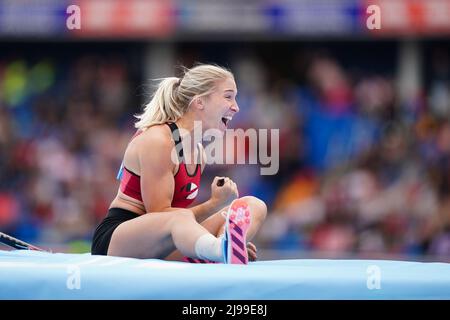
186 185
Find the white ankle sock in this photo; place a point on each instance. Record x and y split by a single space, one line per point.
209 247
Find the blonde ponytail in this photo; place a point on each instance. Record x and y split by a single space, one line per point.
162 107
173 95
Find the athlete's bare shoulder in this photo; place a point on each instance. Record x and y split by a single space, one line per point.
153 143
157 136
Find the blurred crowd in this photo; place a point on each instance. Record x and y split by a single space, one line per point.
62 134
361 172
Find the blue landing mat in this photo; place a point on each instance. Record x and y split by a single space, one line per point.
39 275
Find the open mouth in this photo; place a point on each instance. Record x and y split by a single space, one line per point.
226 120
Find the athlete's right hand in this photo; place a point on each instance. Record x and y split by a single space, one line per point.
223 195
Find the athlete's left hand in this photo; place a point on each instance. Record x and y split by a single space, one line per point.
251 250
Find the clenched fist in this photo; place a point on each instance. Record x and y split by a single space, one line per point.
223 195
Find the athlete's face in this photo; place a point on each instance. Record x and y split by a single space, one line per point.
221 105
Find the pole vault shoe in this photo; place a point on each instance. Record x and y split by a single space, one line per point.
236 226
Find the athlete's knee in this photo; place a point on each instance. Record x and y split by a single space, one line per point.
184 214
259 207
181 218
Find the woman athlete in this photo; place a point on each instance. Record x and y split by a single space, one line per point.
149 217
